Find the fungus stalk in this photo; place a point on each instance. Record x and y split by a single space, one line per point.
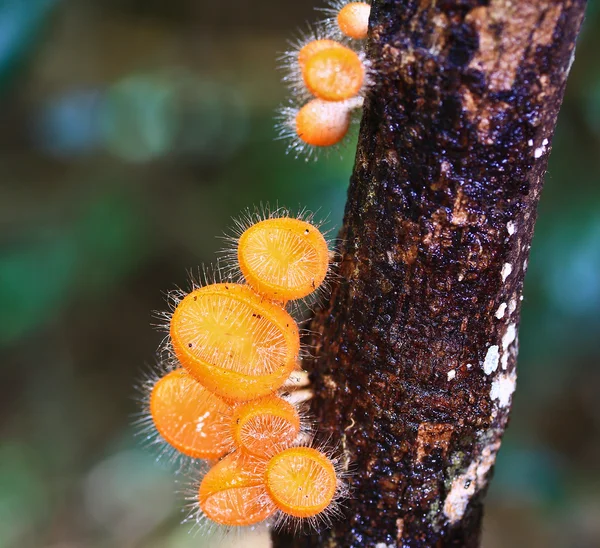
415 350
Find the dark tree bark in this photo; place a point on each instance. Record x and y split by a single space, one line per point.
416 348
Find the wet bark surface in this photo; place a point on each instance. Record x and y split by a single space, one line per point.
416 347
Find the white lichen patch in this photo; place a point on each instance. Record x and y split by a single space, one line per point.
467 484
503 387
512 306
500 312
451 374
571 61
508 338
506 271
511 228
540 151
491 360
463 488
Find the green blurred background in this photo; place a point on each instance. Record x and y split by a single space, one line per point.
131 131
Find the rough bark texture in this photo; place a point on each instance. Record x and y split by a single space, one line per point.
416 349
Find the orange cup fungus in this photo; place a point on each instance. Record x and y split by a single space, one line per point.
315 46
190 418
353 20
322 123
332 76
301 481
334 73
233 492
283 258
265 426
238 345
234 342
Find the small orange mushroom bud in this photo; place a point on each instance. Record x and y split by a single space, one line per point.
322 123
233 492
265 426
317 125
234 342
190 418
353 20
301 481
334 73
283 258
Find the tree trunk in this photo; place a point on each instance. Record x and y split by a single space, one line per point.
416 348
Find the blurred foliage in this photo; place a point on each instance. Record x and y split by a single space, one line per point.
131 132
20 26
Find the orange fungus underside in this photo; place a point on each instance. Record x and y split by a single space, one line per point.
334 74
233 492
322 123
234 342
189 417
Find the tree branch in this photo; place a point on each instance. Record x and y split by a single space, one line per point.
416 349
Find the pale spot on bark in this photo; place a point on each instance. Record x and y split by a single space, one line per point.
468 483
492 358
400 527
460 214
500 312
500 56
503 387
545 31
433 436
392 158
506 270
484 115
509 337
